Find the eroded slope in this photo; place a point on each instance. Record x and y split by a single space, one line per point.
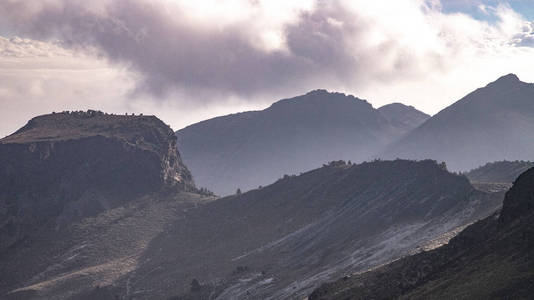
491 259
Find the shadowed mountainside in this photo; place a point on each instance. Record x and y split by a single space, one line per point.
255 148
75 197
111 217
280 241
492 123
491 259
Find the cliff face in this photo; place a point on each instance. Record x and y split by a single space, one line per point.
63 167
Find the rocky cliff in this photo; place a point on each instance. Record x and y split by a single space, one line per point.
65 166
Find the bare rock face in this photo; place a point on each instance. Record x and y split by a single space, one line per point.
66 166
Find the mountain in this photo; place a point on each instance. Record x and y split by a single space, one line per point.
491 259
281 241
97 206
81 194
405 118
65 165
255 148
499 171
492 123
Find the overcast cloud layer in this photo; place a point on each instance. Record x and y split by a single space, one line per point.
189 60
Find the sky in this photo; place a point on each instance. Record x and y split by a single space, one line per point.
188 60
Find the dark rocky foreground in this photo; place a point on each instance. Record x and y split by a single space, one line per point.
491 259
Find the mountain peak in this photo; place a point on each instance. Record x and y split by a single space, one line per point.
397 106
509 77
403 115
290 136
318 92
489 124
328 94
321 99
505 80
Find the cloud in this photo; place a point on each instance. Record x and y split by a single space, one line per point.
197 55
241 48
167 46
19 47
38 77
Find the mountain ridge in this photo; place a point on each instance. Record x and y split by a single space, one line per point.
488 124
108 224
292 135
281 240
490 259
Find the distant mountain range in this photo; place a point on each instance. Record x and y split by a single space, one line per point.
492 123
491 259
97 206
254 148
294 135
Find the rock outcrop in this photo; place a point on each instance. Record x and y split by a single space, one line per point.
65 166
